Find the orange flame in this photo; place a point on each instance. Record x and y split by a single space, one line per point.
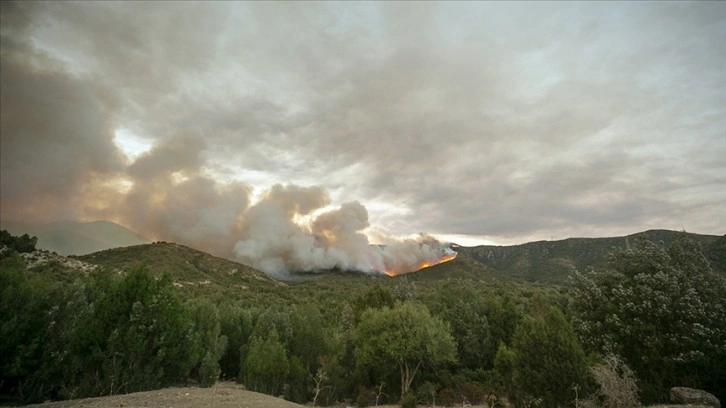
424 264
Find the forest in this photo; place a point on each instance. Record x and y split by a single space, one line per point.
621 335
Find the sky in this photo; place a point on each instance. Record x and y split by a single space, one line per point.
473 122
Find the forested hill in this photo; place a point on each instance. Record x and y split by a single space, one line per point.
541 261
552 261
190 268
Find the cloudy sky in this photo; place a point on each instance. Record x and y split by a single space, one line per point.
477 122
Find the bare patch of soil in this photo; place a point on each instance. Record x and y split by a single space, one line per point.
222 395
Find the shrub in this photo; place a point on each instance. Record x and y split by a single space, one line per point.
447 396
617 382
409 400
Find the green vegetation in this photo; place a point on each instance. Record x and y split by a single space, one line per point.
22 244
546 358
663 310
406 337
162 314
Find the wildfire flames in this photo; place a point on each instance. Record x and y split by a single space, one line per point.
445 257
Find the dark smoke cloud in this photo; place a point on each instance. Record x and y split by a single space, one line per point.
56 132
171 200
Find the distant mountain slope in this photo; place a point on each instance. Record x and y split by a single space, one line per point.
77 238
552 261
188 267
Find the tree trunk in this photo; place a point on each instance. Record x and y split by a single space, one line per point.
407 375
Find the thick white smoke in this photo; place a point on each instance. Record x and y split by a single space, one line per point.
285 231
274 242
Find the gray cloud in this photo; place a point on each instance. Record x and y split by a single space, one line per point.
513 121
56 132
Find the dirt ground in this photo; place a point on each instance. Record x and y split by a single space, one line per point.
223 395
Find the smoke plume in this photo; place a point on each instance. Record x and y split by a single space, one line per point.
286 230
274 242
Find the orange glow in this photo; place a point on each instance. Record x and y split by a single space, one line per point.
422 265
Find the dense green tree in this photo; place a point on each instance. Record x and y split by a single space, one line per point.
406 337
340 367
144 334
297 381
277 319
22 329
504 369
546 359
663 310
311 337
376 297
503 318
236 325
210 344
21 244
266 366
466 313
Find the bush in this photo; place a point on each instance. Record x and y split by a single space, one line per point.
447 396
364 397
409 400
617 382
473 393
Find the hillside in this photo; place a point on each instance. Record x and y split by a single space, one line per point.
190 269
542 261
552 261
77 238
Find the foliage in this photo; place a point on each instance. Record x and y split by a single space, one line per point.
408 400
617 383
143 332
333 337
311 340
22 244
662 310
266 366
297 381
275 319
547 358
466 313
504 368
22 322
236 324
93 338
376 297
210 344
426 393
405 336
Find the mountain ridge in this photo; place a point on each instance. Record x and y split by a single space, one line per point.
552 261
538 261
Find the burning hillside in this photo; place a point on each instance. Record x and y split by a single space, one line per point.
274 241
